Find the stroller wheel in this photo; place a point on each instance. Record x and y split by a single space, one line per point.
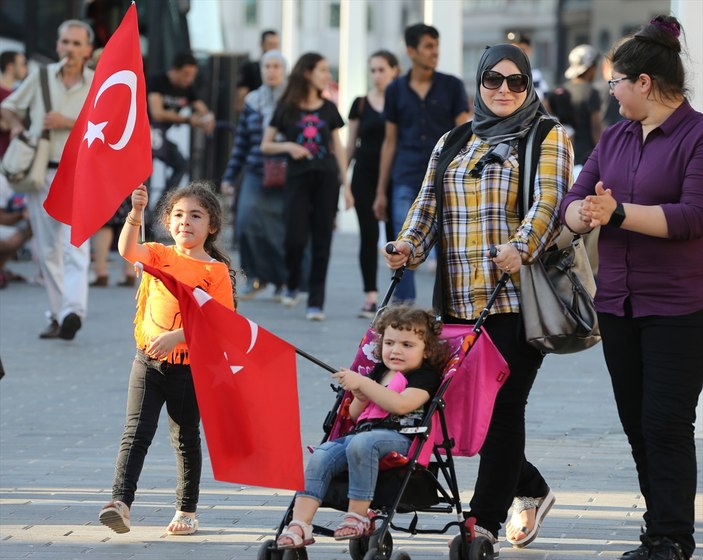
378 550
268 551
373 554
481 549
478 549
295 554
455 549
358 548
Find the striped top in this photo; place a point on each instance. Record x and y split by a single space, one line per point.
480 212
246 151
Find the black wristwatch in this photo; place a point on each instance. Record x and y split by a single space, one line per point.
618 216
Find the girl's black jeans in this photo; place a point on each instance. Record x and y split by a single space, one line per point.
151 384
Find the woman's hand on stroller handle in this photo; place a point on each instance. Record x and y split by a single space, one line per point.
397 254
506 257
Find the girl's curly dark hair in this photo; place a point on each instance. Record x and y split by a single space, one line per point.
421 322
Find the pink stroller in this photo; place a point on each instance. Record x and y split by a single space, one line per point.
425 480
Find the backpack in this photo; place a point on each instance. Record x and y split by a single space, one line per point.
456 140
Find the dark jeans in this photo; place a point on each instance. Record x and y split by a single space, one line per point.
311 207
403 197
503 471
657 376
151 384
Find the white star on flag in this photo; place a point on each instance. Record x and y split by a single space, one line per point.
95 131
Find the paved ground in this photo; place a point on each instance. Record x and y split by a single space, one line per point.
61 415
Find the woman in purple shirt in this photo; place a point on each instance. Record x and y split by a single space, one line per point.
644 184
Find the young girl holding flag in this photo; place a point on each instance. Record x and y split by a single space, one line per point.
161 371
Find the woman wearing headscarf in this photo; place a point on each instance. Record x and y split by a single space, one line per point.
481 211
259 223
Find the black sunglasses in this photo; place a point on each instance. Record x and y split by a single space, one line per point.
517 83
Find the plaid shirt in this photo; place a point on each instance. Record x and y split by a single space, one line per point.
479 212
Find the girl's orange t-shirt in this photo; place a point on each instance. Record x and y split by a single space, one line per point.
157 308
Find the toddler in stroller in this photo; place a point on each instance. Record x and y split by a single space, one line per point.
406 480
389 401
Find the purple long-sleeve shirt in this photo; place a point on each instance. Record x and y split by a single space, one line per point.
659 276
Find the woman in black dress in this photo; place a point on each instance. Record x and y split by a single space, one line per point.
366 131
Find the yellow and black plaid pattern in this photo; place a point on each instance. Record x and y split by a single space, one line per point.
480 212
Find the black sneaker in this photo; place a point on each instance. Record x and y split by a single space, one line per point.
655 548
666 549
640 553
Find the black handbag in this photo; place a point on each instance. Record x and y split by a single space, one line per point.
557 289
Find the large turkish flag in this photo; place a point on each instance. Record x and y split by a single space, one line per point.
108 153
245 381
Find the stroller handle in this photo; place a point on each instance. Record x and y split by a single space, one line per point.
397 276
502 281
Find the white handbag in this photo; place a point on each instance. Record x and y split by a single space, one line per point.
25 163
27 158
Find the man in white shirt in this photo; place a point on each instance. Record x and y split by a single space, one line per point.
64 267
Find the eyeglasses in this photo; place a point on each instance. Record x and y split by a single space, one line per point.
615 81
517 83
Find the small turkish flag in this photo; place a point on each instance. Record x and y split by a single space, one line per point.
245 381
108 153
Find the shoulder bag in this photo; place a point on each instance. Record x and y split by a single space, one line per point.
26 160
557 289
275 170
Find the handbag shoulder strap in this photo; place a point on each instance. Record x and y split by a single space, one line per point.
455 140
529 148
44 81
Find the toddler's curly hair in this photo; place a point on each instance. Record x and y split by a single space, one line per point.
421 322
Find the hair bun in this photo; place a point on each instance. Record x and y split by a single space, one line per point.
662 30
668 25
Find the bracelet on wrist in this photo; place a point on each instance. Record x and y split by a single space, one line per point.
131 221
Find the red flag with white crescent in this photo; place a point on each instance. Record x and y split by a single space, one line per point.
108 153
246 385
